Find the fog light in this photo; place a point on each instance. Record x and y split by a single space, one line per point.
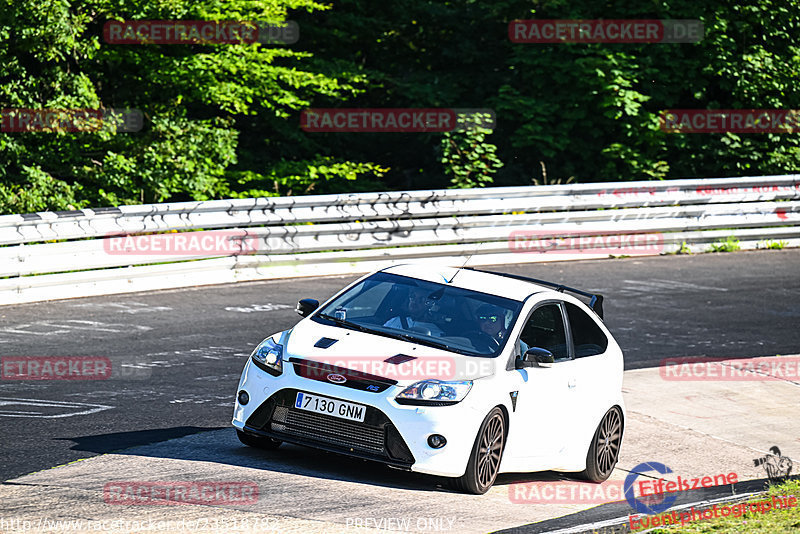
436 441
244 398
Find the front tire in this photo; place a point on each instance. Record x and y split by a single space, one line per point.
603 452
257 441
484 461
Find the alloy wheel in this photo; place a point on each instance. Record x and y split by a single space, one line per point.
490 451
608 441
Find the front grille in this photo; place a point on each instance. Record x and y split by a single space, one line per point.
375 438
328 429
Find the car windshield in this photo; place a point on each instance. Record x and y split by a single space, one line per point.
438 315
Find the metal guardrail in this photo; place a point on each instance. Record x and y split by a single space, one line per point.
90 252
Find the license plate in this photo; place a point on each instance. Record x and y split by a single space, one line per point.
327 406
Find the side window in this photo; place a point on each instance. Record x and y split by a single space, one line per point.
588 338
545 329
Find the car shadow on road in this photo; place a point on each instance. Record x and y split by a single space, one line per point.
221 446
118 441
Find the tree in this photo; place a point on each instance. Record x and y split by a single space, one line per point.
198 101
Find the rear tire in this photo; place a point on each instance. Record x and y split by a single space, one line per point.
603 452
257 441
484 461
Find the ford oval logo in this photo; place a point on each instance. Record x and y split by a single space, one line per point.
337 379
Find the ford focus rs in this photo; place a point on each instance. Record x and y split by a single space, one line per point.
458 373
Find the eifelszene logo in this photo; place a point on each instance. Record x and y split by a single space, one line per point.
652 499
640 506
777 466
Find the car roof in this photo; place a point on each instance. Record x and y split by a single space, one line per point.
480 281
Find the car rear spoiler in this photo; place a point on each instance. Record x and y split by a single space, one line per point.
595 299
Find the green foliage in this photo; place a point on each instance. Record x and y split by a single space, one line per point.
198 102
174 157
38 191
469 158
775 245
322 175
731 244
223 120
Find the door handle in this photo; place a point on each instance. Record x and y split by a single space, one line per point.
571 383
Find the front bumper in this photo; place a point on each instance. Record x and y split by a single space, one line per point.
391 433
374 439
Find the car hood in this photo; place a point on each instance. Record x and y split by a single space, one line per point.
407 363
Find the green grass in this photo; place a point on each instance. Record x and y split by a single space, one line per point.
770 522
729 245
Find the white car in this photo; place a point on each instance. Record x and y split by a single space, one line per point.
459 373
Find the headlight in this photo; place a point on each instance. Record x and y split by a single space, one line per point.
268 356
435 393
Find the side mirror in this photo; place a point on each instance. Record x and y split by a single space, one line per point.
538 356
306 306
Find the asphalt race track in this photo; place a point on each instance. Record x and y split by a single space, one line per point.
178 354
